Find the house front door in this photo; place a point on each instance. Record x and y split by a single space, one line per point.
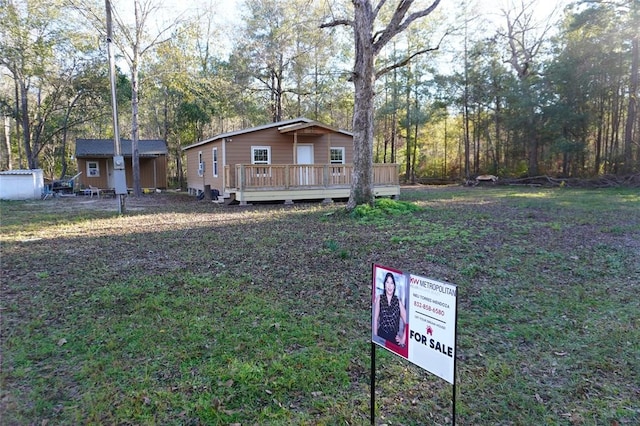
304 156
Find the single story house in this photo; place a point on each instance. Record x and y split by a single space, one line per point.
95 161
297 159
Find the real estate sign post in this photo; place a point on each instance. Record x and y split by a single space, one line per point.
426 328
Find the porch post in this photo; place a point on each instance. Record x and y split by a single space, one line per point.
224 166
287 182
295 147
325 175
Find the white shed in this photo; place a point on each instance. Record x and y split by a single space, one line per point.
21 184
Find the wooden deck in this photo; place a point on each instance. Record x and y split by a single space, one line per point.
288 182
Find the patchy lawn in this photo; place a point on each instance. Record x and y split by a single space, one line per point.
187 312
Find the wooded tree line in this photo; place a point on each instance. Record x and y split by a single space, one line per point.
512 97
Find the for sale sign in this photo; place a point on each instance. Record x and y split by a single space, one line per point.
432 331
415 317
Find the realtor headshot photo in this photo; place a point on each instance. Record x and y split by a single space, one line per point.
389 312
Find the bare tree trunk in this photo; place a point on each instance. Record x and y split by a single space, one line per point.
631 109
598 143
32 162
465 109
394 117
135 134
18 123
467 137
274 107
533 147
409 149
476 142
364 81
180 174
415 149
279 78
394 129
498 144
444 165
65 132
6 145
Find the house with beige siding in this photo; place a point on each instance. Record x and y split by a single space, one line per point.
297 159
95 161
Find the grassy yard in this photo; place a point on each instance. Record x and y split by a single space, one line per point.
188 313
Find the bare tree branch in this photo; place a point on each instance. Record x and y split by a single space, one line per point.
407 59
337 23
397 24
378 7
523 47
403 62
132 36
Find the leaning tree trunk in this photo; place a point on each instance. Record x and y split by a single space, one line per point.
363 80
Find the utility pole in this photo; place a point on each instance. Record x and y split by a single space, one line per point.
119 174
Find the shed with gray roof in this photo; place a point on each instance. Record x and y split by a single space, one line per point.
95 161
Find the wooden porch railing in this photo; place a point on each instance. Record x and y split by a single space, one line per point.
296 176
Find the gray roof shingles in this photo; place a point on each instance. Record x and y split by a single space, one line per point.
104 147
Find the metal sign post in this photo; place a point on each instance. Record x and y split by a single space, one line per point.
373 384
416 318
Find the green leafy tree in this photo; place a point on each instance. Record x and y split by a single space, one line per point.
27 39
282 60
526 36
57 79
593 105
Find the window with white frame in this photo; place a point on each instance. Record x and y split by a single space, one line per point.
214 165
337 157
261 155
200 164
93 169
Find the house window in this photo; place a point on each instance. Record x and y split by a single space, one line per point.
261 155
200 164
93 169
337 157
214 166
